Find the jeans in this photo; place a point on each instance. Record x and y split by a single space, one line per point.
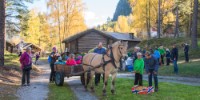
151 72
186 57
162 59
25 76
52 74
175 67
138 78
168 61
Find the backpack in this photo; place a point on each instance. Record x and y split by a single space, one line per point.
157 54
49 59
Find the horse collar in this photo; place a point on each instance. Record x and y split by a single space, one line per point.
112 58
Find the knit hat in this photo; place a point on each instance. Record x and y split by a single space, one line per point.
60 58
54 48
79 57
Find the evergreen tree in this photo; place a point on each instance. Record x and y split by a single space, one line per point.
123 9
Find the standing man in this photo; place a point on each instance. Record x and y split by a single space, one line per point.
174 54
53 57
99 50
186 50
151 67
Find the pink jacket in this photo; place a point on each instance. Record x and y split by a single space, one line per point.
71 62
25 59
78 61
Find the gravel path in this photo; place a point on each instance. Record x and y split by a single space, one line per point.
172 79
38 89
78 89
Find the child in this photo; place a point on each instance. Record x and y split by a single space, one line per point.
79 60
71 62
168 56
37 58
60 61
138 69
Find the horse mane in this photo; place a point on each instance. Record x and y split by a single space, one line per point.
119 43
116 43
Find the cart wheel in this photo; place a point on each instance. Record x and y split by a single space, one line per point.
59 78
83 78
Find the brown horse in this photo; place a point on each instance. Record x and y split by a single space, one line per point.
107 64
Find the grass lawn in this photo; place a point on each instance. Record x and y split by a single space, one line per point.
12 70
11 59
167 91
186 69
60 93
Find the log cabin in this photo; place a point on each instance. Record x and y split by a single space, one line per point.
84 41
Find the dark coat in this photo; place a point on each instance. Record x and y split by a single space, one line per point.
168 54
174 54
151 63
186 48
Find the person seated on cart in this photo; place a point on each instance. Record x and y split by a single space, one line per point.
79 60
59 62
71 62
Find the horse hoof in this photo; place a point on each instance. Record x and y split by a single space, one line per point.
113 92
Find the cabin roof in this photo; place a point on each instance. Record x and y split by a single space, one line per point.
122 36
25 45
10 43
112 35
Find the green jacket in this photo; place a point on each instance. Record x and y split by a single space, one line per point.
139 65
162 51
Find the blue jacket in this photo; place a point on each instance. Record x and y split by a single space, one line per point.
151 63
156 54
168 54
60 62
100 50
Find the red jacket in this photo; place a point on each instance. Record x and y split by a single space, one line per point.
71 62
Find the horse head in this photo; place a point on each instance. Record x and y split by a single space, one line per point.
120 49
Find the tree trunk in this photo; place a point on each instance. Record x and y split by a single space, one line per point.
59 27
158 30
194 25
177 24
147 18
190 23
2 31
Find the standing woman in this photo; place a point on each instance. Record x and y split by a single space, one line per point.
26 66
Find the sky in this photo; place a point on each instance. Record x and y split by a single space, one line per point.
96 12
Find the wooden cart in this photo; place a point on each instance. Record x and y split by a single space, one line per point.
62 71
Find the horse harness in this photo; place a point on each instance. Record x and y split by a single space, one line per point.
104 63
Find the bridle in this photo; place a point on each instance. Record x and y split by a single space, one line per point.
112 58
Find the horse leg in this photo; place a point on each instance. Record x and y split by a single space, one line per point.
113 83
105 83
85 75
91 81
